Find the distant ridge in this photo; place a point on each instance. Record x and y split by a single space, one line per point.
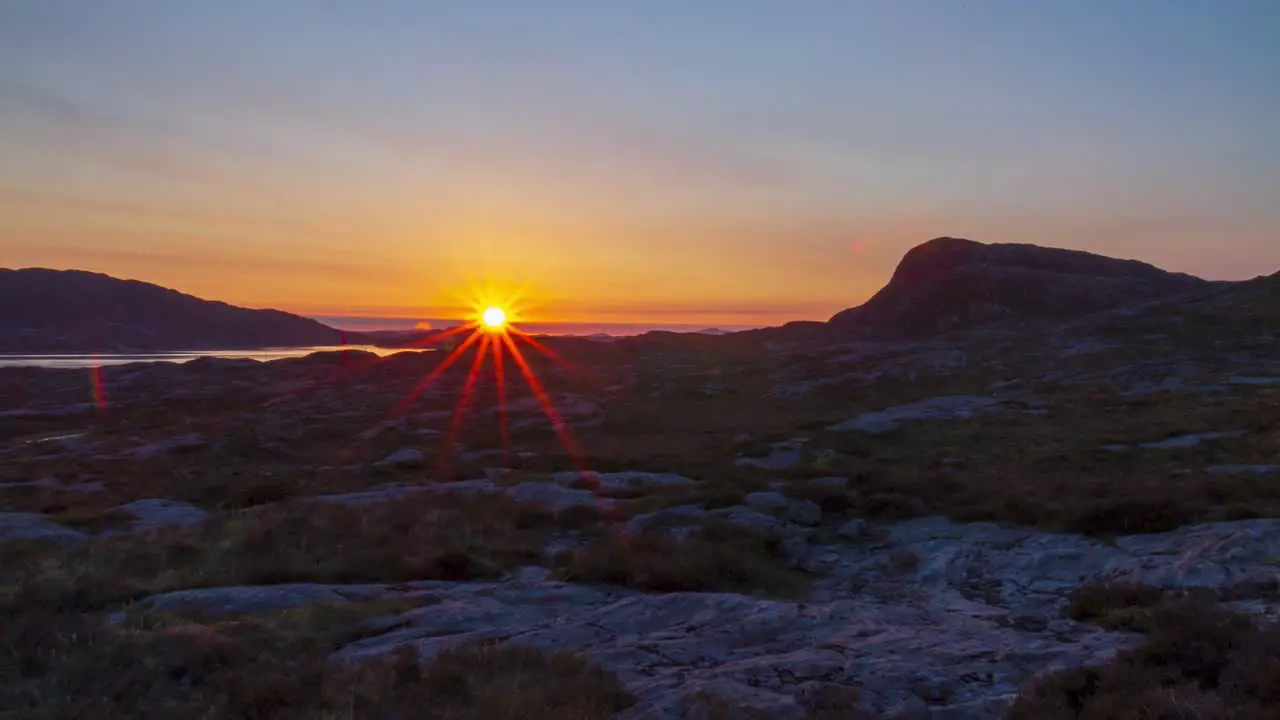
952 283
77 311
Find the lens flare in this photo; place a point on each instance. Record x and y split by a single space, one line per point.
492 333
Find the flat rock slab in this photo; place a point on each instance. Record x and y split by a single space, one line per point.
34 526
177 445
1176 442
554 497
949 407
779 458
1029 572
626 482
754 653
153 513
545 494
975 613
252 599
1243 469
407 458
1186 441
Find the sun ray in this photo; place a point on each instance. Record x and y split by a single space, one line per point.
572 368
426 381
346 368
492 327
542 348
450 332
464 400
548 408
500 381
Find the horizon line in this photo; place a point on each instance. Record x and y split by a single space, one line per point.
373 323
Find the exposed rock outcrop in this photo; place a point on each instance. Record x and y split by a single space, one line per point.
928 616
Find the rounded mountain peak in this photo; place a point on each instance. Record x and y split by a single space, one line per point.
937 255
950 283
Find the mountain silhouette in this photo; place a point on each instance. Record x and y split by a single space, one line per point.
77 311
950 284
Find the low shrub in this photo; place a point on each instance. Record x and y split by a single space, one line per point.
1198 660
1116 605
713 557
75 665
425 538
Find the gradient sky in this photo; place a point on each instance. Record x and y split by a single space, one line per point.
709 161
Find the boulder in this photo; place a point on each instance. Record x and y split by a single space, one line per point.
682 515
853 529
939 408
804 512
405 458
765 501
622 482
554 497
34 526
748 518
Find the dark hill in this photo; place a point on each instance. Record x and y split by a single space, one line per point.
952 284
75 311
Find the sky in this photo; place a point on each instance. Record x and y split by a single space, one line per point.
712 162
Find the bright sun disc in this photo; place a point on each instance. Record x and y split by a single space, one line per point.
494 318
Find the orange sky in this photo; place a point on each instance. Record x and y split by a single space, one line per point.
713 166
394 260
568 265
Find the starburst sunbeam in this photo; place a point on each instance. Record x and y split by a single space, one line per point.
464 400
491 329
572 368
544 400
500 383
439 370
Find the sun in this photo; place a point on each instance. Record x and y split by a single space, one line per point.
494 318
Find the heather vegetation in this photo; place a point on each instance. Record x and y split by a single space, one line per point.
64 665
1197 660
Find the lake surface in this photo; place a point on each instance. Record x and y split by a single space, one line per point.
262 354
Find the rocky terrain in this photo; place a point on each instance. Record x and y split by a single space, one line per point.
1073 518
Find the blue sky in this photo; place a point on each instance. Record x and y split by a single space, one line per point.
705 161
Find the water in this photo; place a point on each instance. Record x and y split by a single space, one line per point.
103 360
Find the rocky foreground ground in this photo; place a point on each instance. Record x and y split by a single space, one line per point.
920 617
928 617
708 528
